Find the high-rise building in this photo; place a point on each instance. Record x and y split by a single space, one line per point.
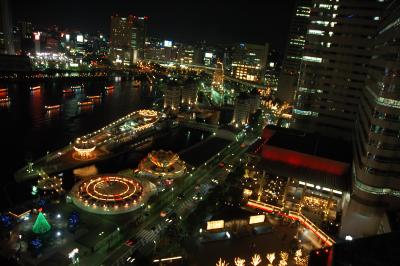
333 65
139 37
242 109
6 36
254 99
218 78
172 96
376 165
189 93
296 40
249 62
121 49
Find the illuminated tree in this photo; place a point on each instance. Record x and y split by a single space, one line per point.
271 258
299 259
239 262
221 263
255 260
284 258
41 225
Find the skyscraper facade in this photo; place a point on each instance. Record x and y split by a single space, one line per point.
333 65
121 50
139 37
6 36
249 62
376 166
296 40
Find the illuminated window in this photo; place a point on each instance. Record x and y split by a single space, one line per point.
303 112
325 6
312 59
320 22
316 32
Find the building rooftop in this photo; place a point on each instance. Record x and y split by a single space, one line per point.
312 144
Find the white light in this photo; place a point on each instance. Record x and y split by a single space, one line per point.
73 253
228 235
58 216
58 233
348 238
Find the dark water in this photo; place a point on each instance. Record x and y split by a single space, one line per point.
27 131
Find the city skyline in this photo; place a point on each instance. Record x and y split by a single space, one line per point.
216 22
200 133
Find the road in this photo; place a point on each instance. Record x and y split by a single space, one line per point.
198 182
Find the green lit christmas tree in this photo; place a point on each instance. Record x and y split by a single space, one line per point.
41 225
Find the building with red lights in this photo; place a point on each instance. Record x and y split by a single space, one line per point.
310 158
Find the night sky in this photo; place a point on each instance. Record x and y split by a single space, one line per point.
218 21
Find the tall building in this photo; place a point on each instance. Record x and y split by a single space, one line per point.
6 36
172 97
139 37
189 93
296 40
242 109
218 78
249 62
121 49
333 65
376 165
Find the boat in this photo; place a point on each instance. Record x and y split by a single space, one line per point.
85 103
111 87
5 99
94 97
35 88
3 90
68 91
52 107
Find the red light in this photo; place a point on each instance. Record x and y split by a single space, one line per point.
326 250
40 209
317 252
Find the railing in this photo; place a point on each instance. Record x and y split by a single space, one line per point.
294 215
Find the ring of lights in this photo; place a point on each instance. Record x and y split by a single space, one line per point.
108 194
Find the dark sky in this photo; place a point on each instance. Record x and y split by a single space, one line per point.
221 21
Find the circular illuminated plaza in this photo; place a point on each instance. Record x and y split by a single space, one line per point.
162 164
84 150
109 194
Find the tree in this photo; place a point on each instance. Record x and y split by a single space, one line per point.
41 225
255 260
271 258
221 263
239 262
